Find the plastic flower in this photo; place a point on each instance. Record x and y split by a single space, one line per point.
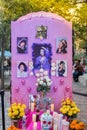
69 108
16 111
43 82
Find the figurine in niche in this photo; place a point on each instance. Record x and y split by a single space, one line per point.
41 32
22 45
42 61
61 46
62 67
22 70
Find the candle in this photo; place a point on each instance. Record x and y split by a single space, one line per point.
34 117
32 106
52 107
35 126
65 125
55 127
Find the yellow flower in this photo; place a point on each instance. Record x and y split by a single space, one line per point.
70 113
22 114
24 106
16 110
69 108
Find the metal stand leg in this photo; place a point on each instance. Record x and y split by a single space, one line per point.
2 105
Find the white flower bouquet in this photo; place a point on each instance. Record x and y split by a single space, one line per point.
43 82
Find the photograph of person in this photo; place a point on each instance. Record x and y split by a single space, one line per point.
22 45
22 69
61 46
42 56
61 68
41 32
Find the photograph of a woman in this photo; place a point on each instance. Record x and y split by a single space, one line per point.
61 68
22 69
42 56
22 45
61 46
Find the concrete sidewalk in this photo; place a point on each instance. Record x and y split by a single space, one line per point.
80 100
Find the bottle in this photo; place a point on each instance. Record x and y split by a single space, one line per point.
24 122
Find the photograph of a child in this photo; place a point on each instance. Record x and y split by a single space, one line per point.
61 46
22 69
22 46
42 56
61 66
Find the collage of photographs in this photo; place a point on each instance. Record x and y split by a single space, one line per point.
41 55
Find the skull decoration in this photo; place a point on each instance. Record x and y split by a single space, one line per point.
46 121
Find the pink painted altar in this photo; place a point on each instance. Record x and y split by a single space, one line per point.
37 34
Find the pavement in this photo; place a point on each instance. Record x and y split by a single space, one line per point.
79 96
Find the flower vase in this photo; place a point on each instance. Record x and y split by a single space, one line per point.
42 95
44 102
15 123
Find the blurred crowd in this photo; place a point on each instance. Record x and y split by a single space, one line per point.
79 68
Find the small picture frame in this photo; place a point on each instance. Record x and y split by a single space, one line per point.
61 68
41 32
22 69
22 45
61 46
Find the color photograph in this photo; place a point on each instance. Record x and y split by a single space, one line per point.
22 45
41 56
61 46
22 69
61 68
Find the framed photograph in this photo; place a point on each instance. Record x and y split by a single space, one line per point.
41 56
22 45
41 32
22 69
61 45
61 68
